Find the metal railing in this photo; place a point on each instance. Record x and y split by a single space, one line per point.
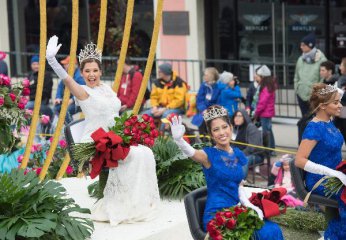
192 72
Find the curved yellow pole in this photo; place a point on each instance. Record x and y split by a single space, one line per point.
151 56
41 71
124 44
102 25
63 167
62 115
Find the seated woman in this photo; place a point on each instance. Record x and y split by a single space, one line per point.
222 167
320 151
246 132
131 193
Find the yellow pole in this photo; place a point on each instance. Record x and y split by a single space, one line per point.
62 115
63 167
124 44
102 25
151 56
41 71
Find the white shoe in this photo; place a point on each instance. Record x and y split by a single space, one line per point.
257 169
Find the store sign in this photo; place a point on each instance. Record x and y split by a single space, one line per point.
257 21
302 23
341 40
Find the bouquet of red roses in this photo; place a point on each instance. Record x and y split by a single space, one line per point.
110 147
235 223
333 185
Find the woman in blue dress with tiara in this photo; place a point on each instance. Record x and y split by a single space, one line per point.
222 167
320 151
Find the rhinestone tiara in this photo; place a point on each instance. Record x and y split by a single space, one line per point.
90 51
327 89
214 112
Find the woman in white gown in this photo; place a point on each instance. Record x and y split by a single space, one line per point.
131 193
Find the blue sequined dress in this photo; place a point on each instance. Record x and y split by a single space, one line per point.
223 179
327 152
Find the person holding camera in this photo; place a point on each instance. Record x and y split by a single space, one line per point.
230 95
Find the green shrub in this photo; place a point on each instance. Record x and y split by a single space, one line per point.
30 209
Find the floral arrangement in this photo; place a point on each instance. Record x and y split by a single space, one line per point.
234 223
333 185
110 147
13 98
39 153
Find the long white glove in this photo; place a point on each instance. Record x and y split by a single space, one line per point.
245 201
178 130
323 170
51 51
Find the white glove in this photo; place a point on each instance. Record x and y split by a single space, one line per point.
323 170
51 51
246 202
178 130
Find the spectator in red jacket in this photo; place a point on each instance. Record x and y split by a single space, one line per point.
129 86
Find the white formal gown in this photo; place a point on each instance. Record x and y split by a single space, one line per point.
131 193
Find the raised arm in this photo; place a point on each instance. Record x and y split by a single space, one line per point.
178 130
75 88
302 161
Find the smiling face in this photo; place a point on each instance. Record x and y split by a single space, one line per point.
333 107
91 73
221 132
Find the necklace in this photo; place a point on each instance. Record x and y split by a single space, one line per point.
321 120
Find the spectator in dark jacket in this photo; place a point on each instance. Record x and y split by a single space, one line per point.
327 73
207 96
246 132
47 88
72 108
130 84
340 122
251 91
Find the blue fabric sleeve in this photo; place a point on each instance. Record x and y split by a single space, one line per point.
60 90
312 132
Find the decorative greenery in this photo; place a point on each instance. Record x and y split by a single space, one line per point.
235 223
30 209
177 175
12 113
302 220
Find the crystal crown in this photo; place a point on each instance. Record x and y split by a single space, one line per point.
327 89
214 112
90 51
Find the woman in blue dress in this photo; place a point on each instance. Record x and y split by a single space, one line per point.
222 167
320 151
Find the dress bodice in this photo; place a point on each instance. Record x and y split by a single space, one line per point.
223 179
327 151
99 109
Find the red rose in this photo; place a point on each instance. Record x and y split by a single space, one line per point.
145 135
6 80
12 96
2 101
228 214
143 125
127 131
154 133
21 105
26 91
127 123
152 125
231 223
218 237
134 130
220 220
146 117
147 141
152 142
238 210
134 119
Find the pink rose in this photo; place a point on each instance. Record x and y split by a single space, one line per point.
6 80
51 140
62 143
69 170
2 101
12 96
23 100
45 119
38 170
26 83
26 91
28 113
20 158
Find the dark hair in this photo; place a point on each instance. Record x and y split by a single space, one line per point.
225 118
128 61
329 65
89 60
268 82
317 99
234 115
